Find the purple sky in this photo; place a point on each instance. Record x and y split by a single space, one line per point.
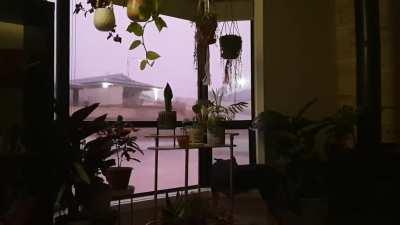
93 55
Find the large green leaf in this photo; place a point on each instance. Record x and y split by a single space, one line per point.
135 28
135 44
150 55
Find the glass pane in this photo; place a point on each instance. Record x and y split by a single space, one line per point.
241 151
108 72
241 92
171 167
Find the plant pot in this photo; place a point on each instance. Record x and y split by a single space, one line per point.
196 135
139 10
118 177
231 46
167 120
104 19
216 136
314 211
183 141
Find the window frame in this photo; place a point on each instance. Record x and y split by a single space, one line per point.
62 87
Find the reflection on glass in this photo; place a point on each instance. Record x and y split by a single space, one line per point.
171 168
241 151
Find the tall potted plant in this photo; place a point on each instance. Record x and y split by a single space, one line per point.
124 147
71 166
217 115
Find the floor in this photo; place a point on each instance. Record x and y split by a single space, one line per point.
249 210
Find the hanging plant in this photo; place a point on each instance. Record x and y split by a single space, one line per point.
104 19
230 43
145 11
141 12
206 26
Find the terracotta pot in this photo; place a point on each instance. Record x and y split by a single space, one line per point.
231 46
104 19
216 136
135 12
118 177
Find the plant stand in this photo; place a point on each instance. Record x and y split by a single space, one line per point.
158 148
118 195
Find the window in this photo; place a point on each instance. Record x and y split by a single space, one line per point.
108 72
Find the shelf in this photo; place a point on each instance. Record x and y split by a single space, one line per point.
191 147
172 136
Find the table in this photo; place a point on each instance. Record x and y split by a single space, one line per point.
118 195
174 147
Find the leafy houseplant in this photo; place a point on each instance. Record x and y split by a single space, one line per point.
300 148
167 118
193 209
217 114
71 164
124 147
199 126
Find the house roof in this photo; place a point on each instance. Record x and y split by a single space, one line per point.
115 79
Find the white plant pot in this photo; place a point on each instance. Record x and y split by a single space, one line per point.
104 19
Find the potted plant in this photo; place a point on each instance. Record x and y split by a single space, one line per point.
199 125
167 118
104 19
217 115
124 147
300 149
72 169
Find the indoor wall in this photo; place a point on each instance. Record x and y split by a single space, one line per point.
299 55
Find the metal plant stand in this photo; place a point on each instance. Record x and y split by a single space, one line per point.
174 147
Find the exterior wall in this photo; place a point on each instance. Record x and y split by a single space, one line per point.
299 55
105 96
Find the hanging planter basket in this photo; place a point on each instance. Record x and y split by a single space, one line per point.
104 18
230 43
231 46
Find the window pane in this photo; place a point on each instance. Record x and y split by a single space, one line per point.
241 151
108 72
171 165
241 92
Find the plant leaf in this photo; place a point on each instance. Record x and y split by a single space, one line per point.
135 28
150 55
82 173
143 64
160 23
135 44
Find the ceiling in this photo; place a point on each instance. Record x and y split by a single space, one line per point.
186 9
